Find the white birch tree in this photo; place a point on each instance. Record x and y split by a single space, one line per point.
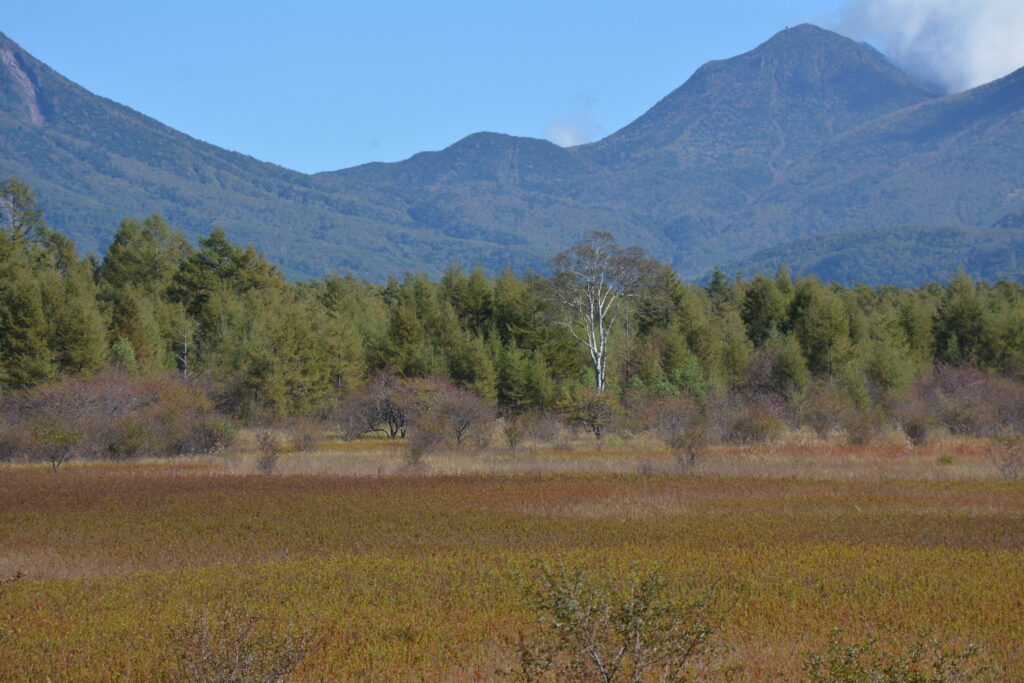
594 281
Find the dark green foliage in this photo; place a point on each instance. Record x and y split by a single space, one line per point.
50 322
764 309
270 349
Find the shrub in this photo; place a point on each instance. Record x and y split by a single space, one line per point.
592 409
922 662
599 628
759 421
967 401
862 426
823 408
513 431
15 442
680 424
55 442
269 445
114 416
224 646
462 413
306 435
421 440
1006 452
544 427
383 406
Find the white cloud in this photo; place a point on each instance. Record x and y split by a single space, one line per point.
955 43
576 129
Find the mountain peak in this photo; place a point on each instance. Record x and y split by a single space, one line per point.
805 32
768 105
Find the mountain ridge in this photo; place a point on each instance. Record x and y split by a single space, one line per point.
783 142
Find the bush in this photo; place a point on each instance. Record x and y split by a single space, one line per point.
458 413
1006 452
15 442
306 435
680 424
823 408
599 628
512 430
269 445
544 427
967 401
759 421
592 409
383 405
922 662
862 426
113 416
224 646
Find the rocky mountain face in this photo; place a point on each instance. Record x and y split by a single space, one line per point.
810 136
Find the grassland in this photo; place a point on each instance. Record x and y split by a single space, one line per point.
413 576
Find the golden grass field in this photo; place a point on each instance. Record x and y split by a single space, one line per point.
413 576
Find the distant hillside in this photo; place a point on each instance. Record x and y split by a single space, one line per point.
905 256
809 134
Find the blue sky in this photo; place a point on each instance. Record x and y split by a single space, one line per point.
319 86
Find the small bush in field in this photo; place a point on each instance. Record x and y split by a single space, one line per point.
680 424
755 425
15 442
1007 454
542 427
269 445
464 413
55 442
306 435
423 437
596 628
513 432
222 646
967 401
862 426
918 430
822 411
383 405
922 662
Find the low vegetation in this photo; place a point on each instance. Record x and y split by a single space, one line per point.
384 576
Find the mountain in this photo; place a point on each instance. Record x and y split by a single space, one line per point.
92 162
808 135
904 256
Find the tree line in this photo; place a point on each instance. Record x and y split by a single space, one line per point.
219 315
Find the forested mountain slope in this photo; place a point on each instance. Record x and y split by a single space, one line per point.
808 134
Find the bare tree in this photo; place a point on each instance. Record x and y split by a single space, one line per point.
593 281
380 407
681 425
464 412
